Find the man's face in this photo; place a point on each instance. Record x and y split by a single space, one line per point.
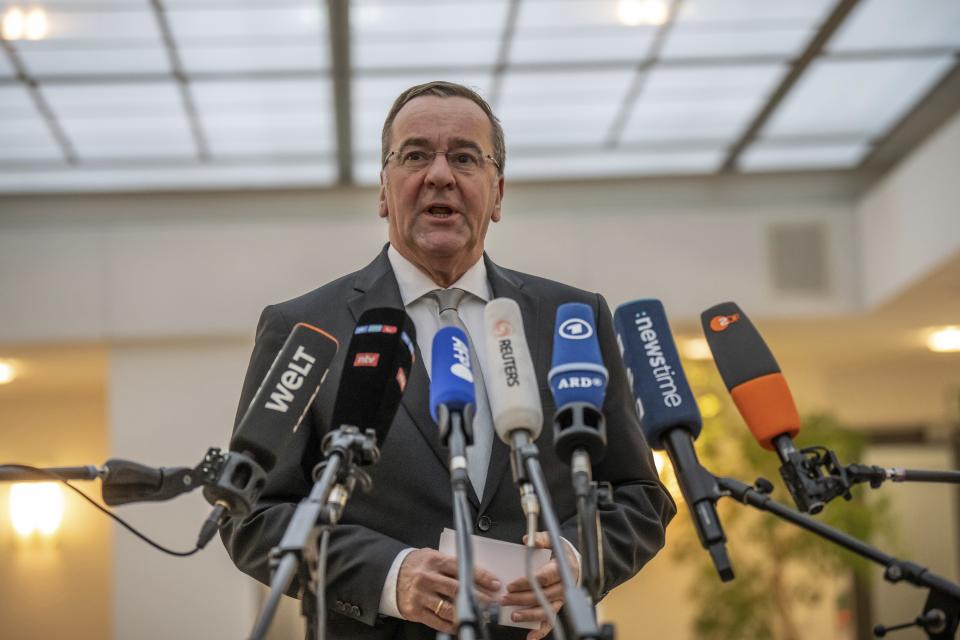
438 215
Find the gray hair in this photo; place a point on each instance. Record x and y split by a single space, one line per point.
443 89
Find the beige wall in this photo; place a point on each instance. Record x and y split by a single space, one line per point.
58 587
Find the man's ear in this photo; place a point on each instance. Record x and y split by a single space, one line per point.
382 209
496 206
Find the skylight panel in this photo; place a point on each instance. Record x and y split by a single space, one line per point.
863 97
882 25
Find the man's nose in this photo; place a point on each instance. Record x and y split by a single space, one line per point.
439 173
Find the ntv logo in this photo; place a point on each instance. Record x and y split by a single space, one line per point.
575 329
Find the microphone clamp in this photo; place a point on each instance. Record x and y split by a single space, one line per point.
579 426
813 475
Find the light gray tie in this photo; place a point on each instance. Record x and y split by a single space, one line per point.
478 455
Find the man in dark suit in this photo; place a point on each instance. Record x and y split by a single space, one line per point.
441 185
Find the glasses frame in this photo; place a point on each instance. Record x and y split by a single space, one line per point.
396 152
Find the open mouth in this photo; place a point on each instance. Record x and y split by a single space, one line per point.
440 211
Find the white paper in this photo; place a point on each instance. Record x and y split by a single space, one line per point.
506 560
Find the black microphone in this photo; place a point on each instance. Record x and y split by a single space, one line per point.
235 480
285 395
379 358
669 415
375 373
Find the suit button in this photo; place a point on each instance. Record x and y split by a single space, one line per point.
484 523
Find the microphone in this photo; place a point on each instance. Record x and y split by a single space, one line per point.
512 391
451 382
276 411
375 373
578 382
669 415
285 395
753 377
376 369
518 419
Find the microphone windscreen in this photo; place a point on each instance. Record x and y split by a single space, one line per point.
375 371
451 376
577 373
285 394
510 377
750 373
664 399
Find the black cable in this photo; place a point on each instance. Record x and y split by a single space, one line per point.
123 523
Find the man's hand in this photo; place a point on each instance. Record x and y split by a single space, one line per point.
520 593
427 585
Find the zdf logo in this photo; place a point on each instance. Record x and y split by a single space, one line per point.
575 329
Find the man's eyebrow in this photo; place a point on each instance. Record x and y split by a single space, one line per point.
455 143
414 142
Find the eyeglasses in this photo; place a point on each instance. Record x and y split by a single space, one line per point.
464 161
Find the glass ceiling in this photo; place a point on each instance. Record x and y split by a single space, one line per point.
140 94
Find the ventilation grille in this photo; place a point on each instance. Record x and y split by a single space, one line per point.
798 258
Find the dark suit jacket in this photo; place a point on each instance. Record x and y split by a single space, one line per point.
411 500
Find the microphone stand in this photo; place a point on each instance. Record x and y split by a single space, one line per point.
345 449
814 475
580 437
456 432
231 482
942 609
578 612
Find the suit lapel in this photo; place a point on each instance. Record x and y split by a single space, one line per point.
506 284
376 286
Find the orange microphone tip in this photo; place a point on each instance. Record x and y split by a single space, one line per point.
767 407
318 330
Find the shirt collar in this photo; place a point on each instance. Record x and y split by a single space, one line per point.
414 283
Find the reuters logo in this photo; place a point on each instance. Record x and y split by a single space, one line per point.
721 323
502 329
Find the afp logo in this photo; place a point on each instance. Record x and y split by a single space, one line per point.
575 329
461 353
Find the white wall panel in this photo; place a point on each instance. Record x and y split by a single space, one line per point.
910 222
167 404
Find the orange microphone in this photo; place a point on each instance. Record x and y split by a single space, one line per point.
753 377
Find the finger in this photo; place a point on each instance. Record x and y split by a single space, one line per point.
429 586
447 565
540 632
546 575
486 581
529 598
434 621
534 614
541 540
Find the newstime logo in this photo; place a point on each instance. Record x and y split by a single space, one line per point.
662 372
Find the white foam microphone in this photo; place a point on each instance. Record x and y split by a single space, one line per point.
513 394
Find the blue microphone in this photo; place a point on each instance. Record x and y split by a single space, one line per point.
578 382
669 415
451 381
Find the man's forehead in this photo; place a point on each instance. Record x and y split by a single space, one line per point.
441 119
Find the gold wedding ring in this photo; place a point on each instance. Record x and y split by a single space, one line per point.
436 609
